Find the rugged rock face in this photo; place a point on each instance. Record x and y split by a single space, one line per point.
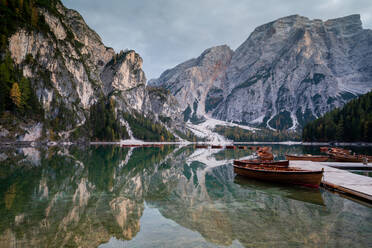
191 81
71 70
288 72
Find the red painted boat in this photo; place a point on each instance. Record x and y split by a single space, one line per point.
287 175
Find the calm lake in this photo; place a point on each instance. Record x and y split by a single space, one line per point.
108 196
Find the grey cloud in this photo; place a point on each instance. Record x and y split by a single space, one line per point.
168 32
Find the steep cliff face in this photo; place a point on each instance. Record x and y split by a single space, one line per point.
290 71
295 69
71 70
191 81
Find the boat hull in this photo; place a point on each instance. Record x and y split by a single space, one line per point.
283 163
307 158
201 146
231 147
348 158
306 178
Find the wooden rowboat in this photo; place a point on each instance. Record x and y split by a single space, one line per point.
308 157
216 147
349 158
324 149
264 149
230 147
283 163
287 175
130 145
265 155
336 150
242 147
201 146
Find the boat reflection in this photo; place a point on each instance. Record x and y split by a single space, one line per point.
83 197
304 194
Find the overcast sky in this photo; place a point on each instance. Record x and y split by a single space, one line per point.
168 32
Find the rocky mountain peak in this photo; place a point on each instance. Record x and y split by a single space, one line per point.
123 72
286 73
191 81
347 25
74 78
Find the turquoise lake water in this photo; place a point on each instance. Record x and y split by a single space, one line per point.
108 196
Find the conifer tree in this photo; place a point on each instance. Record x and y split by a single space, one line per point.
15 95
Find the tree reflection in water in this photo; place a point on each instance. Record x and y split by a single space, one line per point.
84 197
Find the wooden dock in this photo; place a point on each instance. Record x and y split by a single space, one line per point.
340 180
348 166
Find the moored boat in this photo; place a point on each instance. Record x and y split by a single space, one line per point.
242 147
216 147
254 148
287 175
324 149
283 163
230 147
201 146
336 150
307 157
265 155
349 158
130 145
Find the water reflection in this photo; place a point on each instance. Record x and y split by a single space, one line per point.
112 196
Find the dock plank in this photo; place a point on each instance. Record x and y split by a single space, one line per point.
342 180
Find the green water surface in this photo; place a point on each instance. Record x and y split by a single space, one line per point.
108 196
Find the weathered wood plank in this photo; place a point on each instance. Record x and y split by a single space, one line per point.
341 180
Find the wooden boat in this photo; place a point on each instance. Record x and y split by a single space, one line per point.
349 158
324 149
335 150
287 175
284 163
201 146
254 148
130 145
230 147
242 147
265 155
308 157
264 149
216 147
308 195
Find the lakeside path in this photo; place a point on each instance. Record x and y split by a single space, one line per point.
340 180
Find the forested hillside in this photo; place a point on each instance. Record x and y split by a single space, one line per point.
58 81
351 123
16 92
263 135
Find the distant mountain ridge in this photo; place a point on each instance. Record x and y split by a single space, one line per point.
287 72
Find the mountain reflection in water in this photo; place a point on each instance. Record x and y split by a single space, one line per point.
169 196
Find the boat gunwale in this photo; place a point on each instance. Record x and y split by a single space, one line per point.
307 156
299 171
